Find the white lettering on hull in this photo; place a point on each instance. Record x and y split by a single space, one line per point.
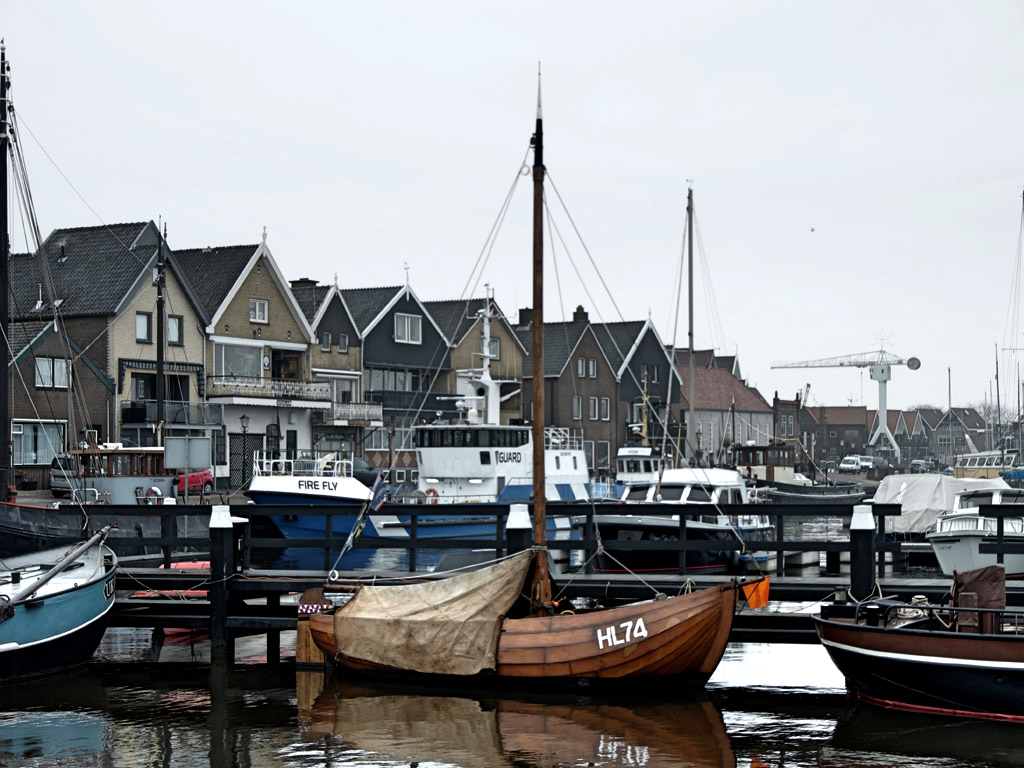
631 630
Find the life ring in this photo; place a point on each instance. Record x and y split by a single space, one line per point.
153 495
432 495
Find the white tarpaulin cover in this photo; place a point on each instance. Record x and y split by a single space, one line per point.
449 626
924 497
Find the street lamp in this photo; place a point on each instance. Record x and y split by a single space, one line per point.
245 423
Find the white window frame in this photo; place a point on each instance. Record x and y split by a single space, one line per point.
592 366
52 373
593 409
342 343
577 408
408 328
325 342
581 368
606 409
259 311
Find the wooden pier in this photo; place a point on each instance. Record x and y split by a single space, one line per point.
242 599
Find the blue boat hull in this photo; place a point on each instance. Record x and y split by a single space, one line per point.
56 633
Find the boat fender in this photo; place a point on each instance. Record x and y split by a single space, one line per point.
153 495
431 494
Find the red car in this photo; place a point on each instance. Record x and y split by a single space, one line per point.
198 482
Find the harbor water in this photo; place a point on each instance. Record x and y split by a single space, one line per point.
152 701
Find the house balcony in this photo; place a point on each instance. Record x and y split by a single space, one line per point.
351 414
191 413
276 389
427 403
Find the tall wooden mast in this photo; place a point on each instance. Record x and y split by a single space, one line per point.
542 587
5 252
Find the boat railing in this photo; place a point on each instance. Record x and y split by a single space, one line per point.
275 463
962 619
562 438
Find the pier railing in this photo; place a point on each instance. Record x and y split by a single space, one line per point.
243 592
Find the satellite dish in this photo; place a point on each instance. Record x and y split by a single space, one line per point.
913 363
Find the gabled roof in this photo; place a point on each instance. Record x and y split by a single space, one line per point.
213 271
311 298
560 342
910 418
24 335
93 269
968 418
455 316
931 416
619 341
715 389
841 415
366 304
27 336
892 422
705 358
227 268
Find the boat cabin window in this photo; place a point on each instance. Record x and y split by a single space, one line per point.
637 493
976 500
672 492
471 438
728 496
699 493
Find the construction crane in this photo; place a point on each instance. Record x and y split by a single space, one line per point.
880 363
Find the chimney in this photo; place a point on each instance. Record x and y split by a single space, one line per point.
580 315
303 282
525 315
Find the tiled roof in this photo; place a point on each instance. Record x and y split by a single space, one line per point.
703 358
366 303
310 298
714 389
931 416
560 339
212 271
840 414
21 333
92 269
617 339
455 316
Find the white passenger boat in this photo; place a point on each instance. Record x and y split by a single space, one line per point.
706 486
959 532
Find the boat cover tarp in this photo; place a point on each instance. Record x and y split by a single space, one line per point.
448 626
925 497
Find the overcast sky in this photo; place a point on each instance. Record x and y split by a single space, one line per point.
857 167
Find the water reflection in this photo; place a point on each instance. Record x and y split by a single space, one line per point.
868 736
144 703
481 729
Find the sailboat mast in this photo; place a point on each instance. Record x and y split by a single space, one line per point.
691 418
5 252
539 510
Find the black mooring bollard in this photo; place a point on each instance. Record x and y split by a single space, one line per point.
862 552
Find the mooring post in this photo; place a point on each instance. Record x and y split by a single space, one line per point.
519 528
862 552
222 567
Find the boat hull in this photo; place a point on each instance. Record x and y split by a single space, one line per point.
941 672
638 528
59 630
681 638
960 551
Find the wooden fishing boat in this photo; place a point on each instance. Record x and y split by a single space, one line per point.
963 659
501 622
54 607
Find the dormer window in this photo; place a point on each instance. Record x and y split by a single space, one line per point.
408 329
258 312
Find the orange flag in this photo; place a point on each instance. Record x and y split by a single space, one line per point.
756 593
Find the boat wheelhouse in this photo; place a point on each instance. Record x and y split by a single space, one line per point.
986 463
